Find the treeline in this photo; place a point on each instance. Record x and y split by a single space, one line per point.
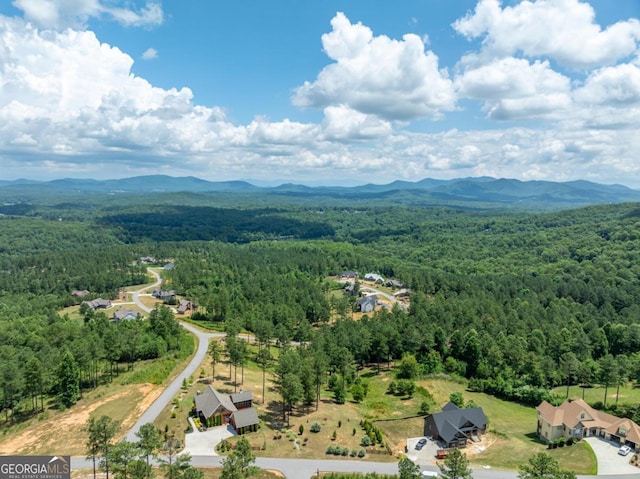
58 358
517 303
187 223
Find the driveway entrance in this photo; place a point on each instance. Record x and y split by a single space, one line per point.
609 461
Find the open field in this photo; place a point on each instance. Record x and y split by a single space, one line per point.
512 428
627 394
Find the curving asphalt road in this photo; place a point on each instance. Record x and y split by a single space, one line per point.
170 392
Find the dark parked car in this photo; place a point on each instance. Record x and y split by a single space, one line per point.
420 444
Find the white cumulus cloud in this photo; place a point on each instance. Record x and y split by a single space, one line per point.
60 14
564 30
377 75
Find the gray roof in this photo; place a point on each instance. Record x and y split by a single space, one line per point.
245 417
454 422
124 313
241 397
98 303
210 400
372 298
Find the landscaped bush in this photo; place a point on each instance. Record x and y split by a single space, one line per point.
366 442
315 427
561 442
361 453
331 450
570 441
344 451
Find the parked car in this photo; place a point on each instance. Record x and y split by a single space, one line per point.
624 450
420 444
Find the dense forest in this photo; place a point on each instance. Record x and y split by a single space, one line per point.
515 302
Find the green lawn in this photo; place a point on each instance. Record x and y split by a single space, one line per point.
627 394
513 435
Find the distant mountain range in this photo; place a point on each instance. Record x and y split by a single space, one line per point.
462 191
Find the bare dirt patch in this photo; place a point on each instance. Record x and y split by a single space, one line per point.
61 433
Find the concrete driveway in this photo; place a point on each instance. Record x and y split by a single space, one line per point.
198 443
609 461
425 456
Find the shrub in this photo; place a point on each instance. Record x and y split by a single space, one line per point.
361 453
561 442
300 429
331 450
334 436
344 451
353 453
570 441
366 442
315 427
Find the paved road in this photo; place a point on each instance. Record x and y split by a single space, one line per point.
172 390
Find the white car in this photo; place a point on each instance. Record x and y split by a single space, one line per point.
624 450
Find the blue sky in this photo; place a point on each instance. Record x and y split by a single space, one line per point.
321 92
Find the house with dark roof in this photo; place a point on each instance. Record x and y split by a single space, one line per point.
169 266
184 306
350 275
124 314
77 293
577 419
455 426
99 303
367 304
215 409
163 294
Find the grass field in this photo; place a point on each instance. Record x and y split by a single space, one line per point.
627 394
512 429
509 444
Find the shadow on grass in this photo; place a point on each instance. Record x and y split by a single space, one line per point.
533 437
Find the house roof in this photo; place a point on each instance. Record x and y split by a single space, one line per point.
184 305
368 299
210 400
245 417
241 396
452 420
124 313
572 413
98 303
625 428
373 277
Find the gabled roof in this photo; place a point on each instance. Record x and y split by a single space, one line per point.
626 429
98 303
210 400
184 305
368 299
373 277
572 413
452 421
124 313
245 417
241 396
